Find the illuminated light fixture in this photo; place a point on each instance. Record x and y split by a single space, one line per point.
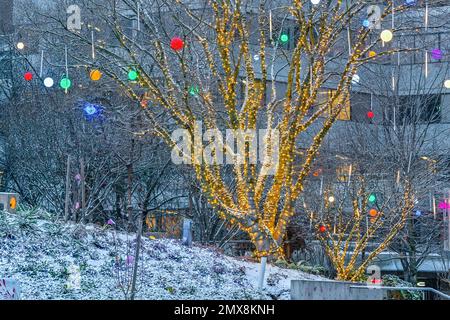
447 84
355 79
28 76
20 45
12 202
421 284
65 83
331 199
315 2
372 197
176 43
48 82
132 75
370 114
284 38
386 35
95 75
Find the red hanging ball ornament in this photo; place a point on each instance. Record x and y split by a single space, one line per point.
28 76
370 114
176 44
322 228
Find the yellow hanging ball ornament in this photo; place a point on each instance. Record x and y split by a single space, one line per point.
372 54
386 35
95 75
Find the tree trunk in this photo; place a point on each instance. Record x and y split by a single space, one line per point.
67 196
136 257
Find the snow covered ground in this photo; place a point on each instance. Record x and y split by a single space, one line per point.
45 258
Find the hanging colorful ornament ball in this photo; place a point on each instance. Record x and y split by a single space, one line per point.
447 84
284 38
322 228
194 90
132 75
436 54
366 23
144 103
28 76
372 54
48 82
95 75
176 43
373 213
370 114
65 83
386 35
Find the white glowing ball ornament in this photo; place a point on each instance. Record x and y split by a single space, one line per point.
355 79
315 1
386 35
20 45
48 82
447 84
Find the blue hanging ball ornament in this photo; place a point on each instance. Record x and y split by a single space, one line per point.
90 110
410 2
366 23
418 213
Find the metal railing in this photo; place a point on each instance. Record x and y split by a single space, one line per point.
427 293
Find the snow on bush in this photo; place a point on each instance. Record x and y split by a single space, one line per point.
43 257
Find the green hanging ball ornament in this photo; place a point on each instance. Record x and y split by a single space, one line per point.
65 83
372 197
132 75
193 91
284 38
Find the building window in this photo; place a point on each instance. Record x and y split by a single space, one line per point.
324 96
417 109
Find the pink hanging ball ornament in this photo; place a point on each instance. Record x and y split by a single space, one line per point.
443 205
370 114
177 43
110 222
436 54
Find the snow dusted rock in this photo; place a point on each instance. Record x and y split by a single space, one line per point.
41 260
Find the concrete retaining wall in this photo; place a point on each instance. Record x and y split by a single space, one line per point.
332 290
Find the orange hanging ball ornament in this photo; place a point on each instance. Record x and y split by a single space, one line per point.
176 43
95 75
373 212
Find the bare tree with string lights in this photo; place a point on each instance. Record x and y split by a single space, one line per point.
235 65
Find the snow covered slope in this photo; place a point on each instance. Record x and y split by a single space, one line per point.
45 258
